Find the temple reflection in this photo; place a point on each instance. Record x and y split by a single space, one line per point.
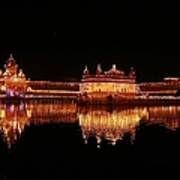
102 123
168 116
112 125
109 125
53 113
13 119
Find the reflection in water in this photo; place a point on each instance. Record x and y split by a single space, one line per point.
13 119
112 126
168 116
109 125
53 113
101 123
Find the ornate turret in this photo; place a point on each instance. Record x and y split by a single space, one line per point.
132 73
10 66
86 71
99 70
14 81
11 59
21 74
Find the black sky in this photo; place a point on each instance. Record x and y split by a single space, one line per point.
52 40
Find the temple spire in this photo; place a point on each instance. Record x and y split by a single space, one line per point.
11 56
11 59
99 70
10 66
86 71
132 73
114 66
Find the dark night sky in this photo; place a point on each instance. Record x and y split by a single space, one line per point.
52 40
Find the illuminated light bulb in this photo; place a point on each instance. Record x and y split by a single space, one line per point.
2 114
12 108
3 88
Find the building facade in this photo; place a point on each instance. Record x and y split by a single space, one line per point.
109 82
169 86
14 84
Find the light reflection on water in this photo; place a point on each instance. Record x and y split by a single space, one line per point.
99 122
109 125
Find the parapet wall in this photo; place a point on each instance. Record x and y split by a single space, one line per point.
49 85
153 86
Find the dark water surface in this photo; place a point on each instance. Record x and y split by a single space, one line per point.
63 141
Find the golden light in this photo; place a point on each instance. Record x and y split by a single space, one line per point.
109 125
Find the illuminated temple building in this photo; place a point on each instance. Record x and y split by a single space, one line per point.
112 82
101 87
13 82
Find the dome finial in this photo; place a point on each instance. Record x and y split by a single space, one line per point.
114 66
99 70
86 71
11 56
132 73
21 74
